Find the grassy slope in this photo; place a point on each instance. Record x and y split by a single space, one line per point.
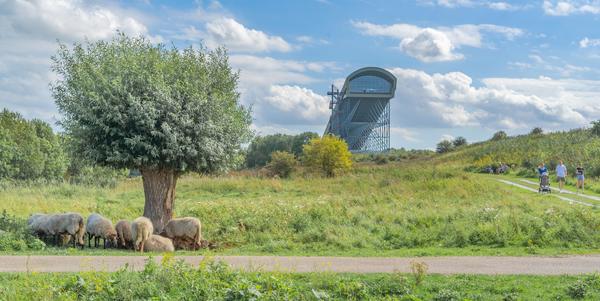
421 207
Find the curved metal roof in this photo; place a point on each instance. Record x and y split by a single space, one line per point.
373 71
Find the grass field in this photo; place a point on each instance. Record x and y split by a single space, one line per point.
176 281
414 208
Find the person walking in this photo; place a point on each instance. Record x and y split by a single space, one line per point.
542 170
561 175
579 173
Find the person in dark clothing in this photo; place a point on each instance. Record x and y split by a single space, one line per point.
579 173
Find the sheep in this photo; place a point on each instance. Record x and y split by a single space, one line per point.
66 224
185 231
157 243
38 223
141 229
124 238
100 227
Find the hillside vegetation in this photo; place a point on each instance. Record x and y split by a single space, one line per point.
580 146
401 208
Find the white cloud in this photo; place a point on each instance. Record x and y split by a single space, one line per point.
451 100
586 42
495 5
404 134
569 7
28 34
436 44
299 102
553 65
225 31
447 137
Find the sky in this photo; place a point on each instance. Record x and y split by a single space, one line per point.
464 67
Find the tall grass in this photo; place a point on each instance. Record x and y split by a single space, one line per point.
375 209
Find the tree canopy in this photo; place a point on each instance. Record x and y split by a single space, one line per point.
130 104
261 148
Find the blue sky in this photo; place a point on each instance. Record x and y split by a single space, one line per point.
464 67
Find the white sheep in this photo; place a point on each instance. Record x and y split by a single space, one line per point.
100 227
157 243
66 224
184 231
38 223
141 230
124 237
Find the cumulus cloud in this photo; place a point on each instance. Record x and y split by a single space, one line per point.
451 100
436 44
28 34
404 134
586 42
569 7
495 5
303 103
226 31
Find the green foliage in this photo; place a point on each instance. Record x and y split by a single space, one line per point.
262 147
29 150
14 235
282 164
392 155
329 155
459 141
596 128
444 146
130 104
536 131
577 290
499 135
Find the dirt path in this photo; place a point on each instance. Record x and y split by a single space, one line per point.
571 201
489 265
587 196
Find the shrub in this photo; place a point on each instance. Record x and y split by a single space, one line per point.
447 295
15 236
459 141
537 131
444 146
381 159
282 164
329 155
261 147
577 290
596 127
499 135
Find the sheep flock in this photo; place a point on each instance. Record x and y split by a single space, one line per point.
139 235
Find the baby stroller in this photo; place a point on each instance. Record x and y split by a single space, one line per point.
544 184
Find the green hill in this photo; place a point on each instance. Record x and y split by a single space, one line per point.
525 152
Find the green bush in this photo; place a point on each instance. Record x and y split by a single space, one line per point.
282 164
444 146
328 155
15 236
260 149
577 290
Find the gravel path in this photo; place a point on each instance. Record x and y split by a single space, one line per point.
490 265
571 201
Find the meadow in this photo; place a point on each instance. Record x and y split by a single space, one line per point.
171 280
409 208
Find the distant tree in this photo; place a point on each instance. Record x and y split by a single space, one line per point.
459 141
128 103
499 135
329 155
537 131
596 127
29 149
282 164
444 146
260 149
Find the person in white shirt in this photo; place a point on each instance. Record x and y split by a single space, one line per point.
561 174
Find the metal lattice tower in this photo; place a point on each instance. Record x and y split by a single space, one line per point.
360 112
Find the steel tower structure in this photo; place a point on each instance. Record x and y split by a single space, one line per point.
360 111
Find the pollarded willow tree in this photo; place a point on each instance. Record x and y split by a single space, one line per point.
128 103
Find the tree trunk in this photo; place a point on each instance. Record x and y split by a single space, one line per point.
159 192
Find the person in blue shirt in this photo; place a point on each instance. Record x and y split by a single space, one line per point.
542 170
561 175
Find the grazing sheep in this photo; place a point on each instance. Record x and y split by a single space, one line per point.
38 223
185 231
157 243
100 227
124 238
67 224
141 229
